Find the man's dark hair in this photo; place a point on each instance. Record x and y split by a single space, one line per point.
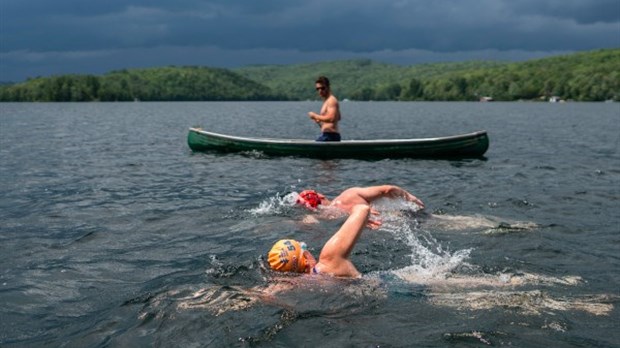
322 80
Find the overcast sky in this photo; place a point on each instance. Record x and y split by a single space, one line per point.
49 37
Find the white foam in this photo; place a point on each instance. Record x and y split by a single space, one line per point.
275 205
394 205
534 302
429 258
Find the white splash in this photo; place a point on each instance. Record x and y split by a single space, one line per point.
429 258
388 205
275 205
434 266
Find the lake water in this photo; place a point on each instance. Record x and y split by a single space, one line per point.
113 233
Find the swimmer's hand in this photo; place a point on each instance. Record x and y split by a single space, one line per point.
373 223
309 219
411 198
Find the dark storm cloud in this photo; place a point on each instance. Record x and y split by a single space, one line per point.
580 11
39 31
362 26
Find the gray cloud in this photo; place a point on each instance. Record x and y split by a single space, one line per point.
30 27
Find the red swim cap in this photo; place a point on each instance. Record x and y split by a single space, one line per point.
309 198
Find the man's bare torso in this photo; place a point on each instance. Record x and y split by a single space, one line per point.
332 127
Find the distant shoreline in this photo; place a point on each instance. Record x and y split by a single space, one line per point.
583 76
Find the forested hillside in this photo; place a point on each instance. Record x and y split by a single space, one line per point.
167 83
589 76
586 76
352 79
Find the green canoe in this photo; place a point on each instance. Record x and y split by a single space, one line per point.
469 145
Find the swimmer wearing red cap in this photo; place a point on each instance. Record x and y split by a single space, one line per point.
289 255
311 199
356 195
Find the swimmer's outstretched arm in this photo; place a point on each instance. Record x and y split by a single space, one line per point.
358 195
392 191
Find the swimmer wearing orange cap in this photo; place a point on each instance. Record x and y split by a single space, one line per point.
289 255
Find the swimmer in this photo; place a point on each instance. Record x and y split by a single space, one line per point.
288 255
350 197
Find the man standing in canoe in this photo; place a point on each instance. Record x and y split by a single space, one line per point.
330 112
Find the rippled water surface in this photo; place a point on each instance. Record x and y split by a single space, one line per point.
113 233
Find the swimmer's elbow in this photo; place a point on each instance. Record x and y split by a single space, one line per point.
388 190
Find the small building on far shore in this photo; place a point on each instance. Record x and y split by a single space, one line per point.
486 99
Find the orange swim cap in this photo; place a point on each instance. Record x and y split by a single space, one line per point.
287 255
309 198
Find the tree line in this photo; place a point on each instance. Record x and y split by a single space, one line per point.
155 84
586 76
581 77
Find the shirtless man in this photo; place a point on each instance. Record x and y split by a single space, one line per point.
330 112
350 197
